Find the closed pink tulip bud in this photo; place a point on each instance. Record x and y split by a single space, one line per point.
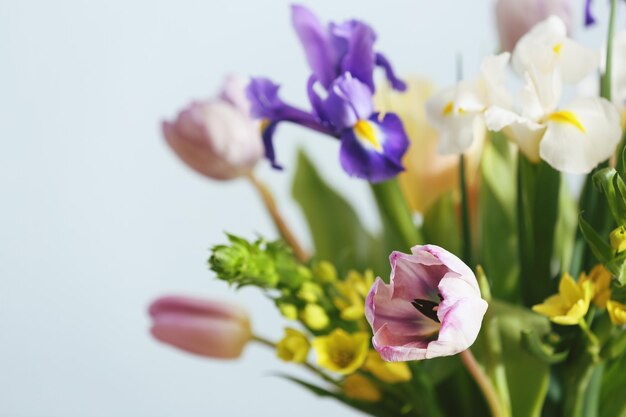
217 137
203 327
516 17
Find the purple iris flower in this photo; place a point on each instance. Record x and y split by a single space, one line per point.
339 48
371 146
589 19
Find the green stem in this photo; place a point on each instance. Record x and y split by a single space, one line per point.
605 86
494 364
465 215
576 383
537 211
470 363
400 231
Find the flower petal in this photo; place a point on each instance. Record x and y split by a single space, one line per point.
354 41
590 135
376 153
348 101
315 40
523 132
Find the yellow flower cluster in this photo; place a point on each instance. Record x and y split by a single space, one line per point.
351 294
571 304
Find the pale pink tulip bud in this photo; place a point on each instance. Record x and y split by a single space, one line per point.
208 328
516 17
217 137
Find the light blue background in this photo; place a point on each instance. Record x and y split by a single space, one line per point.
98 217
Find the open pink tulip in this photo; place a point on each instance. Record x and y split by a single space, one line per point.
431 308
516 17
217 137
203 327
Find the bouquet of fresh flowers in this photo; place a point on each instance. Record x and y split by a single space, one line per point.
490 289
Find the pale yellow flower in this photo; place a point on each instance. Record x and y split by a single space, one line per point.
293 347
570 305
361 388
289 311
340 351
389 372
617 312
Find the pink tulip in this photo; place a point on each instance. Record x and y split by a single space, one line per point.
516 17
217 137
431 308
203 327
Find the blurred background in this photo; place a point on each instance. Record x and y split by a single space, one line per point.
98 216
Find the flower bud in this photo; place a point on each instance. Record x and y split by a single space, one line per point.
294 347
516 17
618 239
217 137
202 327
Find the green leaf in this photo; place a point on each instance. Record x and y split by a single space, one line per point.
527 375
337 233
497 227
612 399
368 408
600 248
605 181
532 342
441 226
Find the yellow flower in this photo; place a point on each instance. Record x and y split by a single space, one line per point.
570 305
288 311
325 272
618 239
389 372
352 292
310 292
294 346
341 352
600 277
315 317
361 388
617 312
428 175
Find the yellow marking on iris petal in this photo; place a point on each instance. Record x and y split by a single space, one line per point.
565 116
264 124
366 132
557 48
448 109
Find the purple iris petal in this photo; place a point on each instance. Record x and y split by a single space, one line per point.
348 101
320 53
268 143
377 160
355 42
589 19
263 96
396 83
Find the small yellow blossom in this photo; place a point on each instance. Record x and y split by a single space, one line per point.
288 311
570 305
600 277
618 239
389 372
617 312
293 347
352 292
341 352
315 317
310 292
361 388
325 272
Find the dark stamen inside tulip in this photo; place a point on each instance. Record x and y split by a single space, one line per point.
427 308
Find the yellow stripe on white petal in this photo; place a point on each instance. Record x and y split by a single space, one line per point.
565 116
581 136
368 134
